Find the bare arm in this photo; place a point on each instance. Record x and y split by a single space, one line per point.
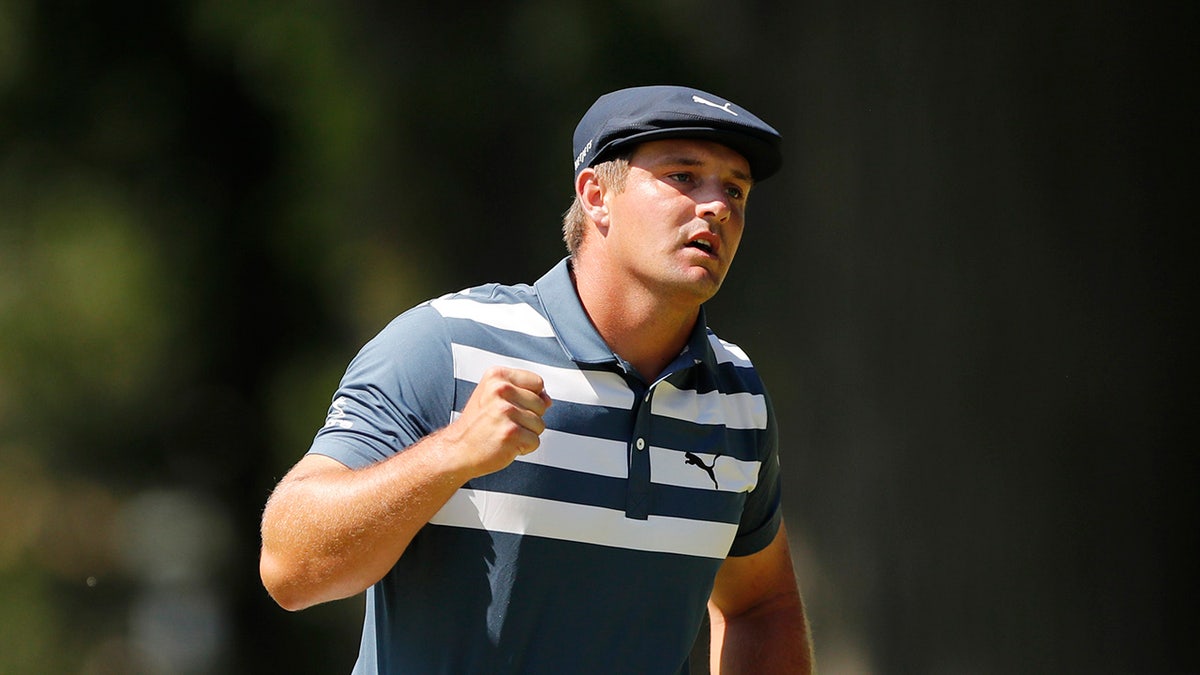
330 532
757 616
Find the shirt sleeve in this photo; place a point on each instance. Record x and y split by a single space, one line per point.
397 390
762 513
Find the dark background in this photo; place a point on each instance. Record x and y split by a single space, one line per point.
970 291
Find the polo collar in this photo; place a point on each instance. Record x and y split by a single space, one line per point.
579 338
698 348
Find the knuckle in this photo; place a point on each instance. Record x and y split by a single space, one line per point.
511 432
495 376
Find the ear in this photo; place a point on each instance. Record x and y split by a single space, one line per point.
591 193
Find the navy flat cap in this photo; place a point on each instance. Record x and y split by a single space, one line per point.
621 119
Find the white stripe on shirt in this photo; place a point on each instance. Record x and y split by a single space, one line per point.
735 411
727 352
518 514
589 387
520 318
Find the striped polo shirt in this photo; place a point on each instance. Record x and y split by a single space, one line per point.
595 553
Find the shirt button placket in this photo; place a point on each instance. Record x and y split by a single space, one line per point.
637 504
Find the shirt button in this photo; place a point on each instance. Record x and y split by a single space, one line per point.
640 444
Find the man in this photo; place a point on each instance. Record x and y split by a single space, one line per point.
561 478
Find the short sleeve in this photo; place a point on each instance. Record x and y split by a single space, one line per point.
762 512
397 390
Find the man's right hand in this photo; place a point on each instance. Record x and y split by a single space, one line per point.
502 419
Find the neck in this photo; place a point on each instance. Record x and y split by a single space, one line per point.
640 326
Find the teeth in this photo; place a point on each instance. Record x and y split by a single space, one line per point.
702 245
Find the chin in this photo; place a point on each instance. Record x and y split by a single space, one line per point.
703 290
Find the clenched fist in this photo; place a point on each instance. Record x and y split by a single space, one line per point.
502 419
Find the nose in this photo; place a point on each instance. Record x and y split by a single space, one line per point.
714 206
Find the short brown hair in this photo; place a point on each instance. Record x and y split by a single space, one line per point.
611 173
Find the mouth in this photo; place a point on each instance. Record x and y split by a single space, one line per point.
703 244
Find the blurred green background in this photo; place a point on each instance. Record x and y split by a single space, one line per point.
970 291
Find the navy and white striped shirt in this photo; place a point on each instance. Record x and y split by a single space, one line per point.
596 552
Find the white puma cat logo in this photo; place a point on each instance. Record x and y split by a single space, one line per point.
707 102
337 414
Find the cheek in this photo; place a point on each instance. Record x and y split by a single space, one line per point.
733 238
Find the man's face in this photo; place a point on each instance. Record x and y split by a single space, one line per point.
676 226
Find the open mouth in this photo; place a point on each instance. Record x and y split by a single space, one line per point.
701 244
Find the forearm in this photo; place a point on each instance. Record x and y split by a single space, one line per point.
773 638
330 534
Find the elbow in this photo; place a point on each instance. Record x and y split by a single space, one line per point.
284 586
296 584
291 601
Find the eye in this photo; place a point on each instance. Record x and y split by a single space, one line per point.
680 177
735 192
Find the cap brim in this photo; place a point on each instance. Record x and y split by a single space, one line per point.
763 156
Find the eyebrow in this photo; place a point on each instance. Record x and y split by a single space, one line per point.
691 161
